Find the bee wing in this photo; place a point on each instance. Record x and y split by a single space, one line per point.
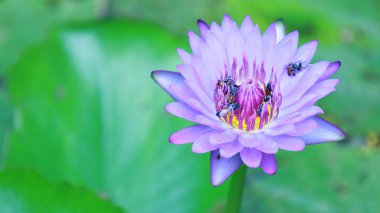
305 65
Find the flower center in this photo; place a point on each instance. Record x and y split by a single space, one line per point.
247 106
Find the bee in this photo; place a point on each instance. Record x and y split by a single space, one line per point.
268 92
231 97
223 112
259 109
267 98
221 83
295 67
233 88
229 80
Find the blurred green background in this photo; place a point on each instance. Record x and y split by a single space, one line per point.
83 127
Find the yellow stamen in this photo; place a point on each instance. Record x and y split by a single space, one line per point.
269 112
257 123
236 122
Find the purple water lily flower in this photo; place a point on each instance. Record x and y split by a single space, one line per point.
250 94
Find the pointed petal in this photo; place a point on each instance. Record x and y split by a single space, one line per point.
227 23
268 163
316 92
195 43
280 29
228 150
325 132
214 27
165 78
331 69
182 110
301 85
182 90
254 49
222 137
217 125
269 40
251 157
329 83
185 56
247 26
189 134
203 27
304 127
202 145
270 35
289 143
267 145
248 140
187 96
285 50
221 168
192 76
261 142
279 129
305 113
197 105
306 52
296 117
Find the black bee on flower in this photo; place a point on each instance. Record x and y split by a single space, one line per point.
296 67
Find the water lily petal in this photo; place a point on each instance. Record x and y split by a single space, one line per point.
303 83
248 140
268 164
267 145
222 137
247 26
280 30
316 92
165 78
287 128
285 50
270 35
195 43
269 40
331 69
325 132
182 110
221 168
228 150
182 90
304 127
251 157
203 27
197 80
227 23
188 97
253 48
209 122
189 134
214 27
203 145
306 52
289 143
